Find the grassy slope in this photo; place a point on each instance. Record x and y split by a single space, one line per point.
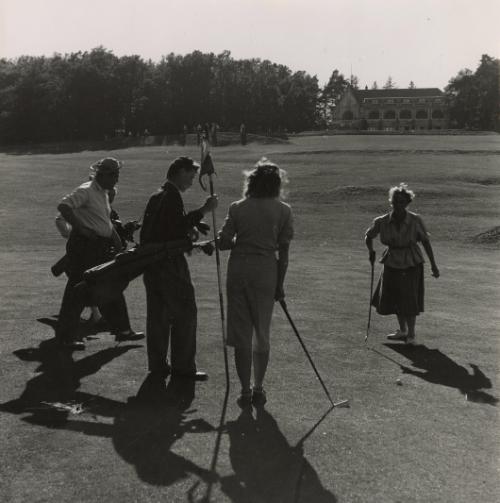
418 442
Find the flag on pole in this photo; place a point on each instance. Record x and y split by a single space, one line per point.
207 166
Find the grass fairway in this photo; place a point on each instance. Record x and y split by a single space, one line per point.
434 438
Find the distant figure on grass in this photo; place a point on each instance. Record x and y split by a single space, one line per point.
243 134
400 289
170 297
256 228
93 240
199 132
213 134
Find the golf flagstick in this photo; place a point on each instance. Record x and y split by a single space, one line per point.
207 168
341 403
370 304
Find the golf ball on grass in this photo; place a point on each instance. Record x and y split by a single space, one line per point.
399 382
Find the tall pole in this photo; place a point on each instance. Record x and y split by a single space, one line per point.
206 160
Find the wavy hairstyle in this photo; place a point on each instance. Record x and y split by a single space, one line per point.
265 180
401 189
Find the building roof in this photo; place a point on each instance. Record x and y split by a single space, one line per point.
397 93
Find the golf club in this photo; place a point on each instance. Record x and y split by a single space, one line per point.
341 403
370 302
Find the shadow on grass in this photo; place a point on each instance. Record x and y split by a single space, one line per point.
145 428
266 467
438 368
57 380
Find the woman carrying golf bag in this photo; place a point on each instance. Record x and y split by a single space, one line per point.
400 289
257 228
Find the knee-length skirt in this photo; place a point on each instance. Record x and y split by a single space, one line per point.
400 291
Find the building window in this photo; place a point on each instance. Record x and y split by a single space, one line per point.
406 100
390 101
421 100
437 114
374 114
348 115
421 114
405 114
389 114
374 101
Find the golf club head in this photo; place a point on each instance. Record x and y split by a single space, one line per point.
342 403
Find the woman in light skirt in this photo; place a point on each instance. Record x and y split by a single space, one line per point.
258 230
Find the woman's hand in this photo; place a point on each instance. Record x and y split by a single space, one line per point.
371 256
280 293
435 271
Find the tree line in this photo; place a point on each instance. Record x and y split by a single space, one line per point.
95 95
92 95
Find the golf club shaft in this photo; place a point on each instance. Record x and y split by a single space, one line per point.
370 302
283 305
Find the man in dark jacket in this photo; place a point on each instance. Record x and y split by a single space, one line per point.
171 305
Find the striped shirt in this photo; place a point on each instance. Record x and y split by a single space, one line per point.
401 240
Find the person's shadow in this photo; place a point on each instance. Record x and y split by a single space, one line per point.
52 394
435 367
266 467
143 431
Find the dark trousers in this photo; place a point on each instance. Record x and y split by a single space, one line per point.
83 253
171 316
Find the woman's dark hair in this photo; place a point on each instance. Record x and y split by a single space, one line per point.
265 180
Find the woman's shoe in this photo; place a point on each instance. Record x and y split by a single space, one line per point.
398 335
245 399
411 341
259 397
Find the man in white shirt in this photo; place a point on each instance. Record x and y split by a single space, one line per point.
92 241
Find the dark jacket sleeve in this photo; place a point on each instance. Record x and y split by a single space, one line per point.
167 218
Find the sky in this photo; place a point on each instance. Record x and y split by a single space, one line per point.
424 41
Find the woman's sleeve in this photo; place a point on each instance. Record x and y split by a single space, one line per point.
228 230
286 233
422 233
374 230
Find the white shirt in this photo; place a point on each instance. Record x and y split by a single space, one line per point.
90 204
62 226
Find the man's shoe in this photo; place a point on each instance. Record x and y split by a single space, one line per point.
128 335
73 345
398 335
195 376
161 372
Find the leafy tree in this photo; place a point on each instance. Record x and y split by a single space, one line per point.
374 85
473 98
330 95
91 95
390 84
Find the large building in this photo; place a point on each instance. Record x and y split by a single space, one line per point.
391 109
